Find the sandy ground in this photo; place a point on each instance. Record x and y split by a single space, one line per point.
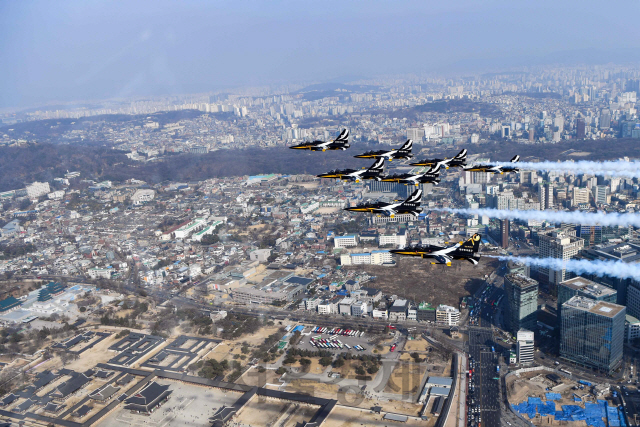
314 368
348 370
345 417
254 378
264 411
87 360
419 345
406 378
300 415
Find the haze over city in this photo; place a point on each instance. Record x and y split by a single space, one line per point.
79 51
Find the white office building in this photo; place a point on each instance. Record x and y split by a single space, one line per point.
525 347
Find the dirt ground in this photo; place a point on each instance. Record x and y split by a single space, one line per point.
87 360
345 417
254 378
348 370
422 281
406 378
302 414
264 411
418 345
314 368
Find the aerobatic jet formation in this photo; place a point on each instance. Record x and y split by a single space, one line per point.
431 176
374 172
403 152
468 250
410 206
459 160
340 143
495 168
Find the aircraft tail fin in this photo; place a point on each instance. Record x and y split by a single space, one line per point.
515 159
473 243
378 165
461 155
435 169
407 145
416 197
344 136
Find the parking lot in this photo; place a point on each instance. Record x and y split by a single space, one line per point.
351 341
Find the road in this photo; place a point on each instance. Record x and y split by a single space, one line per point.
487 387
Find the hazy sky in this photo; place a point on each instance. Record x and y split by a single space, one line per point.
79 50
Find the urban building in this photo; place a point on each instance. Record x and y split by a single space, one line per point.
557 243
447 315
584 288
426 313
592 333
525 347
628 253
504 233
345 241
37 189
522 302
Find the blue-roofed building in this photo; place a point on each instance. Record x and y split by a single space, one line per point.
9 304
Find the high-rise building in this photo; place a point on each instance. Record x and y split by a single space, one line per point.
592 333
605 119
545 196
601 194
585 288
580 196
532 133
559 243
522 302
580 128
628 253
525 347
504 233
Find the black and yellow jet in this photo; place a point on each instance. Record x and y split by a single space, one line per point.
403 152
357 175
340 143
495 168
468 250
410 206
459 160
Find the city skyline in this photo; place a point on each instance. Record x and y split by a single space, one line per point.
80 51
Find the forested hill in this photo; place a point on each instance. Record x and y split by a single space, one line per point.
43 162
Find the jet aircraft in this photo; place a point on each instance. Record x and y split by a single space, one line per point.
495 168
409 206
340 143
459 160
444 255
432 176
403 152
374 172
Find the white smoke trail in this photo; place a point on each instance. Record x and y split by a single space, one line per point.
617 168
616 269
600 218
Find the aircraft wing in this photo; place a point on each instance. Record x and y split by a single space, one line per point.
443 259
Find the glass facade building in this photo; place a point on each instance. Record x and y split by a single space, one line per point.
592 333
522 302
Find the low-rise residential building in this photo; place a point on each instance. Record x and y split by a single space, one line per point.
447 315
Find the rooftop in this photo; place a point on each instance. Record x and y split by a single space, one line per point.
520 280
600 308
589 287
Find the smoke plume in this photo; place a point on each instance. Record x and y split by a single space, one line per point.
617 168
616 269
575 217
